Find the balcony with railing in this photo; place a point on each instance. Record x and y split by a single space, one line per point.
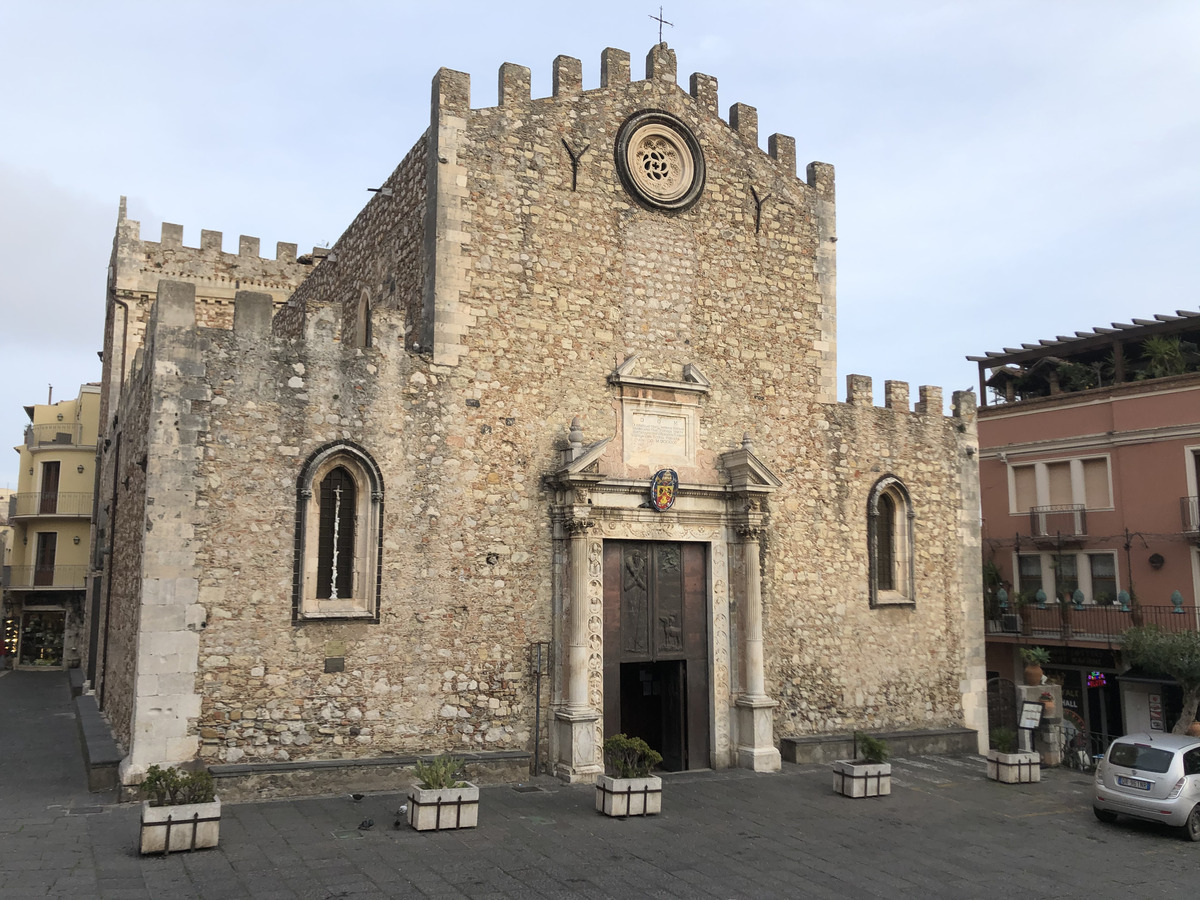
36 578
54 503
1088 623
62 434
1189 517
1065 524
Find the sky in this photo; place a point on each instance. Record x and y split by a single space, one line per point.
1006 170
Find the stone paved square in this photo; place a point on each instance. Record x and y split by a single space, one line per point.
946 832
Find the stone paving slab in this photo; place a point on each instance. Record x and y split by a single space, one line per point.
946 832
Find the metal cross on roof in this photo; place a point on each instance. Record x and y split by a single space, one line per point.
661 22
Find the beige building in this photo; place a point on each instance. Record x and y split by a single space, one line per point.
564 390
8 627
49 515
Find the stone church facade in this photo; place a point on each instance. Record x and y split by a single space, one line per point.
348 509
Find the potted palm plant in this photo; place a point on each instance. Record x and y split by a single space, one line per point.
1034 658
869 774
627 788
181 811
440 800
1008 765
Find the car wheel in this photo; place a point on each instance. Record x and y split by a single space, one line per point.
1191 828
1107 815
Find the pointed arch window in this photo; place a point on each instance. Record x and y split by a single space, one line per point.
339 539
889 539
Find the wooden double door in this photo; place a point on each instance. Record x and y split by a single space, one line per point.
656 648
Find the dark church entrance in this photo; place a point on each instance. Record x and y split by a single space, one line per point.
656 648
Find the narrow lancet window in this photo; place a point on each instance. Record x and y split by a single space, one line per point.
335 543
339 539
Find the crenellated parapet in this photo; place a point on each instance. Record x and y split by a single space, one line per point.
141 263
138 266
860 393
452 94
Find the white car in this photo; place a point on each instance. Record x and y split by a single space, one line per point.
1152 777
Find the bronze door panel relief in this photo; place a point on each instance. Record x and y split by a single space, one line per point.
656 647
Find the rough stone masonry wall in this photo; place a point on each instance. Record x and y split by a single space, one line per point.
835 663
123 481
435 672
165 696
136 267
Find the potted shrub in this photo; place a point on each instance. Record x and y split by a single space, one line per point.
1034 658
1008 765
627 788
181 811
440 800
869 774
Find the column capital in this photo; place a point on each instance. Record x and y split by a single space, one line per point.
751 530
578 525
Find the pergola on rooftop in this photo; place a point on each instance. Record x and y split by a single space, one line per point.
1163 347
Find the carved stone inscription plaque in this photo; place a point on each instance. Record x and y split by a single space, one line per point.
654 431
658 434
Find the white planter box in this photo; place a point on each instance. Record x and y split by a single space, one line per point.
854 778
188 826
629 796
1014 768
444 808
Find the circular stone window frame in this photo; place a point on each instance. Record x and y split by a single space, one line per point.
653 123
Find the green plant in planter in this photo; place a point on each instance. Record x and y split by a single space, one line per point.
173 787
439 773
626 757
1003 739
872 750
1035 656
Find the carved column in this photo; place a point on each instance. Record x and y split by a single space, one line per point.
576 721
754 678
756 737
577 680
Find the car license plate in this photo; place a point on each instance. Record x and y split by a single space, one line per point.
1133 783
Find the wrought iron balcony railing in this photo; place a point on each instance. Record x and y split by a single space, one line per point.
71 503
1189 514
1089 622
45 577
1069 520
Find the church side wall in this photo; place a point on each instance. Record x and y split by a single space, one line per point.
836 664
135 268
441 669
124 482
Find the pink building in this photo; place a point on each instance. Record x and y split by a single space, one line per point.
1089 453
